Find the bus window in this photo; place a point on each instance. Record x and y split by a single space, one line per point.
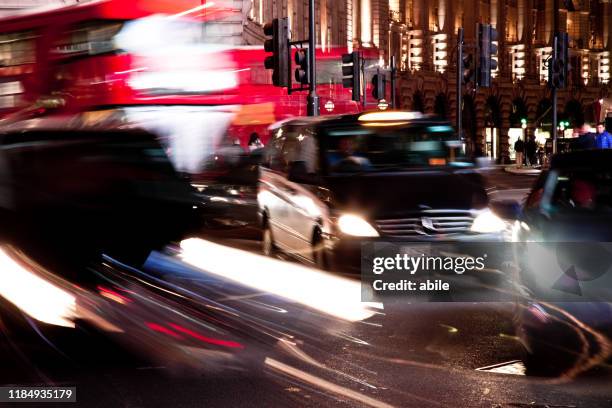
88 38
329 71
17 56
17 49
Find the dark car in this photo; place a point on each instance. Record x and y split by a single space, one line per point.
227 189
563 234
329 184
87 192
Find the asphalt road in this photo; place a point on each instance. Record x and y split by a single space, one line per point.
415 355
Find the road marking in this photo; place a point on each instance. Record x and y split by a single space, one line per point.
514 367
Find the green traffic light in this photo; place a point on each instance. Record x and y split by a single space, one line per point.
523 121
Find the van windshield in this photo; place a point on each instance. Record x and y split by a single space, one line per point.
363 149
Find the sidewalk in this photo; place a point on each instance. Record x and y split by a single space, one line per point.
523 171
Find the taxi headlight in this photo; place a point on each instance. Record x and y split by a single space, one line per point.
355 225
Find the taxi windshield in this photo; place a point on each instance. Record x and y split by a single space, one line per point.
365 149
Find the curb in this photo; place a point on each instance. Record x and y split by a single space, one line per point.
526 171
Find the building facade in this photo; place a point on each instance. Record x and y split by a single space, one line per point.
421 35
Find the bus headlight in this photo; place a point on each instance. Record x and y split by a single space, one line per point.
487 222
356 226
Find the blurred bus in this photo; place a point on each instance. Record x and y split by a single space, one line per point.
150 62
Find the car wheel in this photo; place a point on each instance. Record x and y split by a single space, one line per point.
319 256
555 350
546 365
268 247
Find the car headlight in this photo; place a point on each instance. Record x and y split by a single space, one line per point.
350 224
488 222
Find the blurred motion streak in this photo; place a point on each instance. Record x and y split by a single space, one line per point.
111 294
162 329
336 296
195 9
325 385
34 295
218 342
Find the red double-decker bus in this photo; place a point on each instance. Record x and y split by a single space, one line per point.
150 62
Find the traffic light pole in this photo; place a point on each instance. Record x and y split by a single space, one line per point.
554 102
459 80
313 98
554 88
393 82
363 83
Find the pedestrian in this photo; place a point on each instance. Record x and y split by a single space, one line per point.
254 142
604 139
587 139
519 148
540 155
531 148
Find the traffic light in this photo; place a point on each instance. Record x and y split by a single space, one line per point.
486 50
467 67
378 86
351 73
559 65
277 44
301 60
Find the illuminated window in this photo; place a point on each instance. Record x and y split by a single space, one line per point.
585 69
256 13
603 67
415 50
440 52
394 10
518 61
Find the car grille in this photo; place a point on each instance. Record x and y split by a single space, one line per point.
427 223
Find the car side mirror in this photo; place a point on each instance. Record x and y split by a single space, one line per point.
299 174
507 209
